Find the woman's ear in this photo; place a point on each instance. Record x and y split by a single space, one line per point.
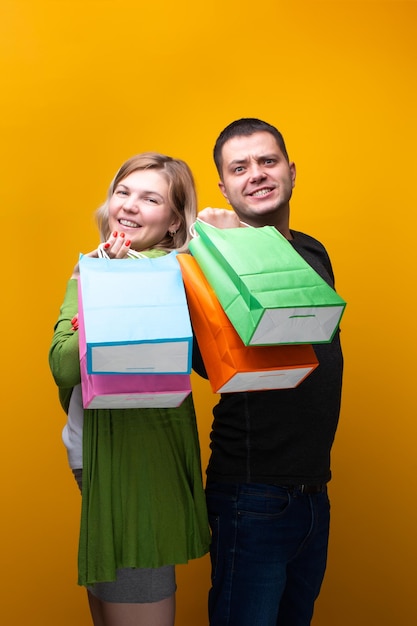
174 226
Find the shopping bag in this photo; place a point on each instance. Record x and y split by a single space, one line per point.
132 391
230 365
268 291
122 391
135 315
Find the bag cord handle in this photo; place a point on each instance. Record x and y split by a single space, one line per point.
194 235
132 254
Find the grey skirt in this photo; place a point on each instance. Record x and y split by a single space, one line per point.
134 585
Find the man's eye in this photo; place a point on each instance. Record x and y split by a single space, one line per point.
239 169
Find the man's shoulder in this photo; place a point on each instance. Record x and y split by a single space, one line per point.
314 252
304 239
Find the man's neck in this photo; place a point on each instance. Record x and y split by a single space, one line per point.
282 225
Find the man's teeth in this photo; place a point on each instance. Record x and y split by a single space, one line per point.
129 224
261 192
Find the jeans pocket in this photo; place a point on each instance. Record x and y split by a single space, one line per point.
266 503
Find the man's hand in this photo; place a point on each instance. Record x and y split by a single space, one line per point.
220 218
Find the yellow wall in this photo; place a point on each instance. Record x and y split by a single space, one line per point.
87 83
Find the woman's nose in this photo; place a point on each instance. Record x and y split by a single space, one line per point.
131 204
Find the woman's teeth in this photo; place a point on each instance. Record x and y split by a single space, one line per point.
128 224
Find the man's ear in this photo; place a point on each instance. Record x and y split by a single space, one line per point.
293 173
223 190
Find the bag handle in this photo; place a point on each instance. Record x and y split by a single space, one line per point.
194 235
132 254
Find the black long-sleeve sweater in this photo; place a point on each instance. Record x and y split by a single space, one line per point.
283 436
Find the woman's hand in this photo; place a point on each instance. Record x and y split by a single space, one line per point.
220 218
116 247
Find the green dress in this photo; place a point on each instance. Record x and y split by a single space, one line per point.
143 502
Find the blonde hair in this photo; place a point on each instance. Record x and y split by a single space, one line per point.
182 196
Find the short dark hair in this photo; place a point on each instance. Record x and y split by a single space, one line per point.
244 127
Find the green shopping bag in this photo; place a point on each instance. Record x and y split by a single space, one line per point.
268 291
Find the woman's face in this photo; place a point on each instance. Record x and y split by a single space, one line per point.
139 208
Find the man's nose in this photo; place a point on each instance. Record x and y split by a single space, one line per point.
256 172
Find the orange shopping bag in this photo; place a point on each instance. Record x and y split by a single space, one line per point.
230 365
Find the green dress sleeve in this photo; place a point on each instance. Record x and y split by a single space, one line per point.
63 354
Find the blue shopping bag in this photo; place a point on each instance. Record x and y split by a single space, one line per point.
135 315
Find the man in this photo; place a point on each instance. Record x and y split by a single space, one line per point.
270 450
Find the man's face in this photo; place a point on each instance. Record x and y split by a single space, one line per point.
257 179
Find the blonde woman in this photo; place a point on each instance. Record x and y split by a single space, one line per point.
143 505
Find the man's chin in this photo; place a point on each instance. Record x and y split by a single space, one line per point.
259 209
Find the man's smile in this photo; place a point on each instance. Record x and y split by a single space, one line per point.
261 192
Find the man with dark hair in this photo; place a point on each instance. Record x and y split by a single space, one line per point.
244 128
270 450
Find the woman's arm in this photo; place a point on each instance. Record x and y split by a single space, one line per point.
63 354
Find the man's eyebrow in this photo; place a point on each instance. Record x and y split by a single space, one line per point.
272 155
258 157
238 161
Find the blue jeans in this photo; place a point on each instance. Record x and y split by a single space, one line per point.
268 554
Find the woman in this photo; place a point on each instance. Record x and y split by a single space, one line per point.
143 507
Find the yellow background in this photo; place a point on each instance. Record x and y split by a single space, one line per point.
87 83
